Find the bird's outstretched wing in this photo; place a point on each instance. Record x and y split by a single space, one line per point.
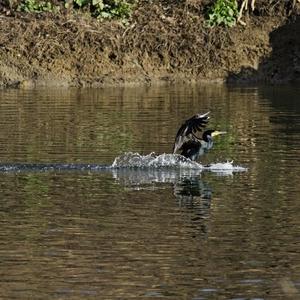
188 128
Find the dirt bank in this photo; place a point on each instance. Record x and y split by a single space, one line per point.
164 41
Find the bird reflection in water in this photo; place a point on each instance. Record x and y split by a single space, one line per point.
192 194
189 191
195 196
188 188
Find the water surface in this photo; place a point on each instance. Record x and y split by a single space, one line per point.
89 232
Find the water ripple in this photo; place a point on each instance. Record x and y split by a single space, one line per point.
130 160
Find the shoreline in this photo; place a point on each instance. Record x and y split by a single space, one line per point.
58 83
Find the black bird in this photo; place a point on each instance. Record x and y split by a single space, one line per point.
190 145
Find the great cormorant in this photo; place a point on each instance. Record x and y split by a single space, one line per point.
188 143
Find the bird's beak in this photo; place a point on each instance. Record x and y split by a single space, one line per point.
215 133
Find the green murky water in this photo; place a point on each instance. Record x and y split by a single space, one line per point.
149 234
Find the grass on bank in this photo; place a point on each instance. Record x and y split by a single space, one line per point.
226 13
100 9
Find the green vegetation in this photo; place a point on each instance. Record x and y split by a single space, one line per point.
101 9
219 13
36 6
109 9
223 12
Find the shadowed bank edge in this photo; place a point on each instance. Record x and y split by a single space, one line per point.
283 63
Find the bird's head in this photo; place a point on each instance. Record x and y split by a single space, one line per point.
209 134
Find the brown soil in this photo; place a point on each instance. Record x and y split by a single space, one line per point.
164 41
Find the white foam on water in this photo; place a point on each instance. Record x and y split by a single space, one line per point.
136 160
224 167
174 161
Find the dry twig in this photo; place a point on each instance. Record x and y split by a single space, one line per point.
244 6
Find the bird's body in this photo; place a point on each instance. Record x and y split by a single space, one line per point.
195 149
190 145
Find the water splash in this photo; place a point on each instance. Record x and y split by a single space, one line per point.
136 160
163 161
225 168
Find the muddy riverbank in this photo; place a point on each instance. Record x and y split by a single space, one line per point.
163 42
